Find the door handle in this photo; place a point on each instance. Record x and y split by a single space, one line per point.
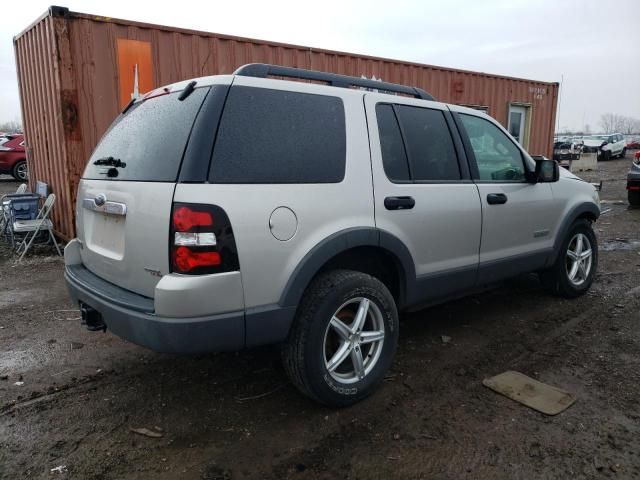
496 198
399 203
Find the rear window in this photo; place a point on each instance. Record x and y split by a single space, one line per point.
149 139
275 136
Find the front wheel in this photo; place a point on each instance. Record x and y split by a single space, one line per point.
574 270
20 171
344 338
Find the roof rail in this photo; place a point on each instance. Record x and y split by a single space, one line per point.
263 70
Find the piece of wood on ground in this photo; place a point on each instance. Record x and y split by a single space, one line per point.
146 432
532 393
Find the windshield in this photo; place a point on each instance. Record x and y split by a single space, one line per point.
147 142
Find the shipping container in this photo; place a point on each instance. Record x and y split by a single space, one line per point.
77 71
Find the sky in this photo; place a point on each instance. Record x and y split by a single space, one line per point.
591 46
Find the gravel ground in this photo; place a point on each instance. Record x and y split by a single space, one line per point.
235 416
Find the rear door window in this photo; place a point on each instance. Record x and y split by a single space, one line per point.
416 144
277 136
432 155
394 155
150 139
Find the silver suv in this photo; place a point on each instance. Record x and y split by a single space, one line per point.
233 211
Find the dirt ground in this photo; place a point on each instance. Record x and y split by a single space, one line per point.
235 416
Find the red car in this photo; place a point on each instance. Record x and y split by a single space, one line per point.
13 158
633 144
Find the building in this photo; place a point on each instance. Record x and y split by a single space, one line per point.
77 71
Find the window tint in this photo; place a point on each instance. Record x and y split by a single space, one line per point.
274 136
150 139
430 148
497 156
394 157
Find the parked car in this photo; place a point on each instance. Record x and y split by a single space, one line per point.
606 146
13 158
633 182
633 144
233 211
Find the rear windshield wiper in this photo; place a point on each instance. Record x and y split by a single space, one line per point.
110 162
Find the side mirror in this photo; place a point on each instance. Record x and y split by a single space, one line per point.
547 170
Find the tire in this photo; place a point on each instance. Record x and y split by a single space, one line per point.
634 197
19 171
605 156
314 340
558 278
623 153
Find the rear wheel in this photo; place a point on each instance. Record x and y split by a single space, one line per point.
575 268
624 153
19 171
344 338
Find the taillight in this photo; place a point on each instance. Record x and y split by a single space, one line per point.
185 218
201 240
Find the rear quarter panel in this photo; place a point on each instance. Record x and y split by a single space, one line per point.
321 209
9 159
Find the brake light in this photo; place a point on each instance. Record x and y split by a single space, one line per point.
186 259
158 92
184 219
201 240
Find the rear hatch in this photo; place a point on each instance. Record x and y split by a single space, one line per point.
126 192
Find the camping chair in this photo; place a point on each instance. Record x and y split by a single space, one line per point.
32 227
4 205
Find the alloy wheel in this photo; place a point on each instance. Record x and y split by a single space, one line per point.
353 340
21 171
579 259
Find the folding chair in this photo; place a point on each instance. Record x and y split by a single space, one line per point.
32 227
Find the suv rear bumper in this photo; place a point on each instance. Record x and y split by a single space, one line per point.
131 317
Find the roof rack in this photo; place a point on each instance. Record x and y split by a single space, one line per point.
263 70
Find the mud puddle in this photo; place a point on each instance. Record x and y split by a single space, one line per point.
619 244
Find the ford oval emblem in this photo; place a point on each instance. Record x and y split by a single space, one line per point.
100 199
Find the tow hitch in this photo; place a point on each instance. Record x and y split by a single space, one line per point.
91 318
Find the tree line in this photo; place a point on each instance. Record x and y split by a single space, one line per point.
614 123
12 126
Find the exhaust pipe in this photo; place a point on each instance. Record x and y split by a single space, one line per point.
91 318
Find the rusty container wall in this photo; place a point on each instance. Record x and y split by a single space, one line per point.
71 85
43 112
